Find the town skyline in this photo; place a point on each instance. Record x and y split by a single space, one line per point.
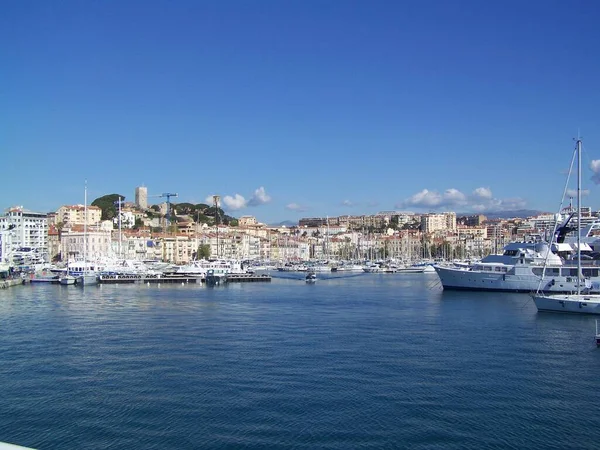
301 109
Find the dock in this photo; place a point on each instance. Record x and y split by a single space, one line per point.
247 278
145 279
6 283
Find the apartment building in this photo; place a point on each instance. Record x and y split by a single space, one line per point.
435 222
74 243
70 215
20 228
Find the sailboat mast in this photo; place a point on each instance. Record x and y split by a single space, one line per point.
579 216
85 220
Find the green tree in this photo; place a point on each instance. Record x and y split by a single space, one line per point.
107 204
203 251
139 223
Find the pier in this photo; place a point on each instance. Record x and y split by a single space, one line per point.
154 279
11 282
246 278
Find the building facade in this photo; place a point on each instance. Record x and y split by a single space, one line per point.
70 215
21 228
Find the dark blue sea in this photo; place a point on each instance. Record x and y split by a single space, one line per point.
364 361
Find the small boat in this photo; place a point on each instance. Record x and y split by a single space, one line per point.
44 278
311 277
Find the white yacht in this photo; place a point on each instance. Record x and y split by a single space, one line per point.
371 268
85 272
319 267
519 269
350 267
218 268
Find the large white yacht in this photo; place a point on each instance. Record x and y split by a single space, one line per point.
521 269
219 267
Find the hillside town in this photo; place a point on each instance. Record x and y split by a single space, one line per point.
163 232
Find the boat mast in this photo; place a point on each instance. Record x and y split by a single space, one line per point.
579 274
120 234
85 220
216 199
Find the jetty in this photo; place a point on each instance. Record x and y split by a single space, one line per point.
9 282
246 278
145 279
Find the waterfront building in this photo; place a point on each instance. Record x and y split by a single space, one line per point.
53 243
74 243
23 229
177 249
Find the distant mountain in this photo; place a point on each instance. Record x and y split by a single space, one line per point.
285 223
522 213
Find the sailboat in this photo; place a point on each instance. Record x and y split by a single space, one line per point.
88 276
579 302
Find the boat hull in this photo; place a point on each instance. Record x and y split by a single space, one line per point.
579 304
67 280
87 280
523 280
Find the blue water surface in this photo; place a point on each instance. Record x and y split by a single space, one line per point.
361 361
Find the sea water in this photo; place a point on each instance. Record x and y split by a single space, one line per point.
358 361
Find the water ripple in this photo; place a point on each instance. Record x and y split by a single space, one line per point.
375 361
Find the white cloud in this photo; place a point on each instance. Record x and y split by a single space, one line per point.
433 199
260 197
595 166
454 196
482 192
481 199
238 201
347 203
295 207
424 198
234 203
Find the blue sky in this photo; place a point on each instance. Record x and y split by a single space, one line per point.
291 109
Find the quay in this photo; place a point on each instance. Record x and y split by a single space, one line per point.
155 279
246 278
9 282
148 279
130 279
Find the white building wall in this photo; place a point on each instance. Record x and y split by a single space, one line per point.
73 245
22 228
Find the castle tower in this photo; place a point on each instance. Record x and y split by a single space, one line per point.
141 197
